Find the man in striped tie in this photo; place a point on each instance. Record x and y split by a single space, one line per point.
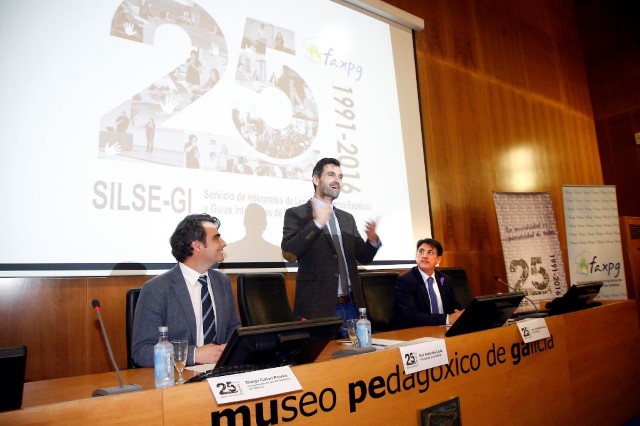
194 300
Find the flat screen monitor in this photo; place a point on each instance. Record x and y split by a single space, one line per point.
579 296
485 312
273 345
13 362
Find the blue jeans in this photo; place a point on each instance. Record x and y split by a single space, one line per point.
346 311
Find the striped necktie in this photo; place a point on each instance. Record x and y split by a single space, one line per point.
343 284
432 296
208 316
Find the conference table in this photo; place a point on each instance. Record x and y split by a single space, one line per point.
586 372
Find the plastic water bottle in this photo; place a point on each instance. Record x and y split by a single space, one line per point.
163 359
363 329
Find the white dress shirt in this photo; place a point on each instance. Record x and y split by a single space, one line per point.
191 278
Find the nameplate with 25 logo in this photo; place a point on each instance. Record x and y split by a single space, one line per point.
533 329
424 355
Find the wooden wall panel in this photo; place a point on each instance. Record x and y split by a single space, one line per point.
514 149
611 45
500 122
610 39
458 156
621 158
500 46
47 316
541 58
450 32
111 292
571 69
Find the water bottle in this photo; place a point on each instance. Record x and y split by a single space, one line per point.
163 359
363 329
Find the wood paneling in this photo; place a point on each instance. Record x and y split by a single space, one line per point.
570 58
505 107
610 38
499 44
514 116
47 315
111 292
621 157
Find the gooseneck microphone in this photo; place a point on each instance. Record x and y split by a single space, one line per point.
122 388
504 283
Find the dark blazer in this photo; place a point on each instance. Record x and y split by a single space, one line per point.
317 277
411 305
165 300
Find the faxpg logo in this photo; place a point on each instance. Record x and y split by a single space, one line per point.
588 264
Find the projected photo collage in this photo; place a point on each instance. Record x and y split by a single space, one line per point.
275 141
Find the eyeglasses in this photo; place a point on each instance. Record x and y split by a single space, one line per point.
422 251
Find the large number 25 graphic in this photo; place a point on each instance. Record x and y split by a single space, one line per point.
136 122
541 286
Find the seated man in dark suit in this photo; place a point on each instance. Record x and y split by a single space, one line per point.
195 301
424 296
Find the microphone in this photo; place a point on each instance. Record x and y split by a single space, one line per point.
504 283
122 388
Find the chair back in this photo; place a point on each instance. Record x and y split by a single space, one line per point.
262 299
378 291
132 300
460 284
13 362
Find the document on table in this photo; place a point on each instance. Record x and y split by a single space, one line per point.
200 368
385 342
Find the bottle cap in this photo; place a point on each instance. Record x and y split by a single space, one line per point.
163 329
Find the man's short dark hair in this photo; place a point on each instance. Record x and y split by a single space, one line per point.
190 229
319 167
432 243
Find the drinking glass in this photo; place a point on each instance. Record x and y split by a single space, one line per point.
180 353
351 331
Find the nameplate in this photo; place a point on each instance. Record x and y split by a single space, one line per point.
424 355
253 385
533 329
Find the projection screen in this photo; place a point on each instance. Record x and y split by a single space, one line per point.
121 117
